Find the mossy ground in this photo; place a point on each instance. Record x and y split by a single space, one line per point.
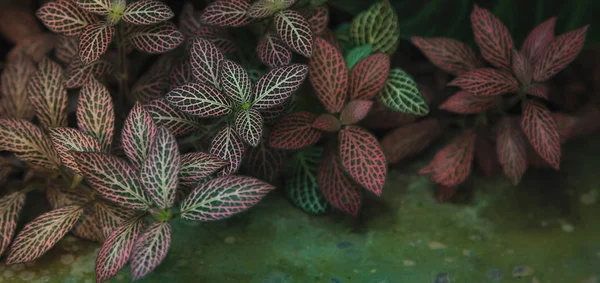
541 226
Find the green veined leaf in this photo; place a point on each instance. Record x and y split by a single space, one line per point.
236 82
402 94
200 100
147 12
48 95
66 140
110 216
160 171
276 86
43 233
266 8
137 135
226 13
150 249
378 26
302 186
99 7
95 114
249 126
29 143
10 208
358 53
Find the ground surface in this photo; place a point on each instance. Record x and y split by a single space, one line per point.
545 230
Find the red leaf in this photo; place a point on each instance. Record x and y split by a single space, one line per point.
147 12
354 111
294 131
94 41
95 113
199 100
150 249
540 90
10 208
448 54
226 13
559 53
48 95
276 86
464 102
159 173
511 148
64 17
317 17
327 123
117 248
295 31
486 155
521 67
492 37
159 38
227 145
363 158
368 76
486 82
264 162
328 74
206 61
382 118
452 165
223 197
538 39
43 233
409 140
273 52
341 191
542 132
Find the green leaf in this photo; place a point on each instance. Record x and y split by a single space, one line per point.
377 26
357 54
302 187
402 94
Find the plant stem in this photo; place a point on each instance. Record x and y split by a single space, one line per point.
123 75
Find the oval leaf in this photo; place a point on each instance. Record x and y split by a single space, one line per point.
339 189
99 7
377 26
226 13
117 248
492 37
265 8
448 54
29 143
264 162
363 158
512 150
199 100
521 67
176 121
327 123
273 52
160 172
249 125
464 102
317 18
294 131
13 86
48 95
206 61
159 38
302 186
227 145
542 132
64 17
559 53
236 82
486 82
10 208
538 39
150 249
95 114
147 12
78 74
452 165
196 166
295 31
138 133
402 94
355 111
328 75
276 86
368 76
94 41
66 140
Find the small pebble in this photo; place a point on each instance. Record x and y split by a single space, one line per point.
408 262
590 197
448 259
27 275
467 252
437 245
522 271
373 270
344 245
229 240
535 280
67 259
566 226
442 278
495 274
509 252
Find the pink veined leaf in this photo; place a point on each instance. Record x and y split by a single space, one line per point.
37 46
150 249
266 8
160 172
355 111
236 82
542 132
77 73
226 13
13 86
264 162
540 90
317 17
521 67
486 82
339 189
486 156
538 39
95 113
328 75
448 54
327 123
117 248
452 165
409 140
58 196
180 73
10 208
368 76
558 54
249 126
67 48
223 197
137 135
99 7
294 30
66 140
363 158
48 95
492 37
109 217
227 145
200 100
147 12
29 143
150 86
159 38
113 178
87 228
43 233
273 114
188 23
512 150
331 37
94 41
273 52
196 166
464 102
176 121
294 131
64 17
206 61
276 86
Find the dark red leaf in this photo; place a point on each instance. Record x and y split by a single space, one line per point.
443 193
339 189
328 75
368 76
521 67
363 158
492 37
317 18
327 123
511 148
464 102
559 53
452 165
294 131
540 90
448 54
355 111
486 82
273 52
538 39
409 140
541 131
264 162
